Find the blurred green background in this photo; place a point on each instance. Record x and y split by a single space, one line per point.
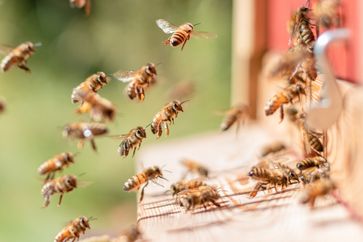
119 34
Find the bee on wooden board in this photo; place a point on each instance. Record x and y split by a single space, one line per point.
2 105
18 56
235 115
61 185
99 108
57 163
139 80
181 34
285 96
183 185
327 13
272 148
131 141
143 179
317 189
86 4
315 161
201 196
166 116
85 132
74 229
193 166
300 29
182 90
93 83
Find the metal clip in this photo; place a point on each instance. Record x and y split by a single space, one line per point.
326 112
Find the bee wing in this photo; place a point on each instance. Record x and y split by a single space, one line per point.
4 49
204 35
165 26
117 136
125 76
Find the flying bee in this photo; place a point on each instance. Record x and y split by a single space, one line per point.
131 141
272 148
73 230
317 189
99 108
182 90
59 185
300 29
166 116
2 105
139 80
86 4
235 115
283 97
143 179
57 163
131 234
93 83
84 132
19 56
201 196
316 161
181 34
327 13
186 185
193 166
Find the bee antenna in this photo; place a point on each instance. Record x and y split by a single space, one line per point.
148 125
185 101
82 174
92 218
196 24
164 178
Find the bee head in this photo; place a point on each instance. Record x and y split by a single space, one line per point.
151 69
251 173
188 27
30 46
293 176
71 181
177 106
84 222
203 171
69 157
102 77
173 189
140 132
299 165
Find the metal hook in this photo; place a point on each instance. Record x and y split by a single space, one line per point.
326 112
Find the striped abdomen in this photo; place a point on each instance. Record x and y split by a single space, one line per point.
135 182
276 102
315 143
311 162
179 37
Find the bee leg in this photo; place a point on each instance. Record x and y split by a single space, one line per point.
133 152
24 67
87 7
166 126
282 113
160 130
142 191
60 199
216 203
46 201
183 44
93 144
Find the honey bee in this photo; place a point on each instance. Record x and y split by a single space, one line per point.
73 230
166 116
86 4
283 97
185 185
59 185
182 90
99 108
57 163
314 142
19 56
235 115
93 83
2 105
300 28
316 161
132 140
181 34
131 234
327 13
314 173
139 80
317 189
200 196
85 131
193 166
272 148
143 179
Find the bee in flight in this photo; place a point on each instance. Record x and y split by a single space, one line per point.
166 116
86 4
57 163
99 108
143 179
235 115
85 131
132 141
2 105
181 34
300 28
93 83
74 229
139 80
59 185
193 166
18 56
